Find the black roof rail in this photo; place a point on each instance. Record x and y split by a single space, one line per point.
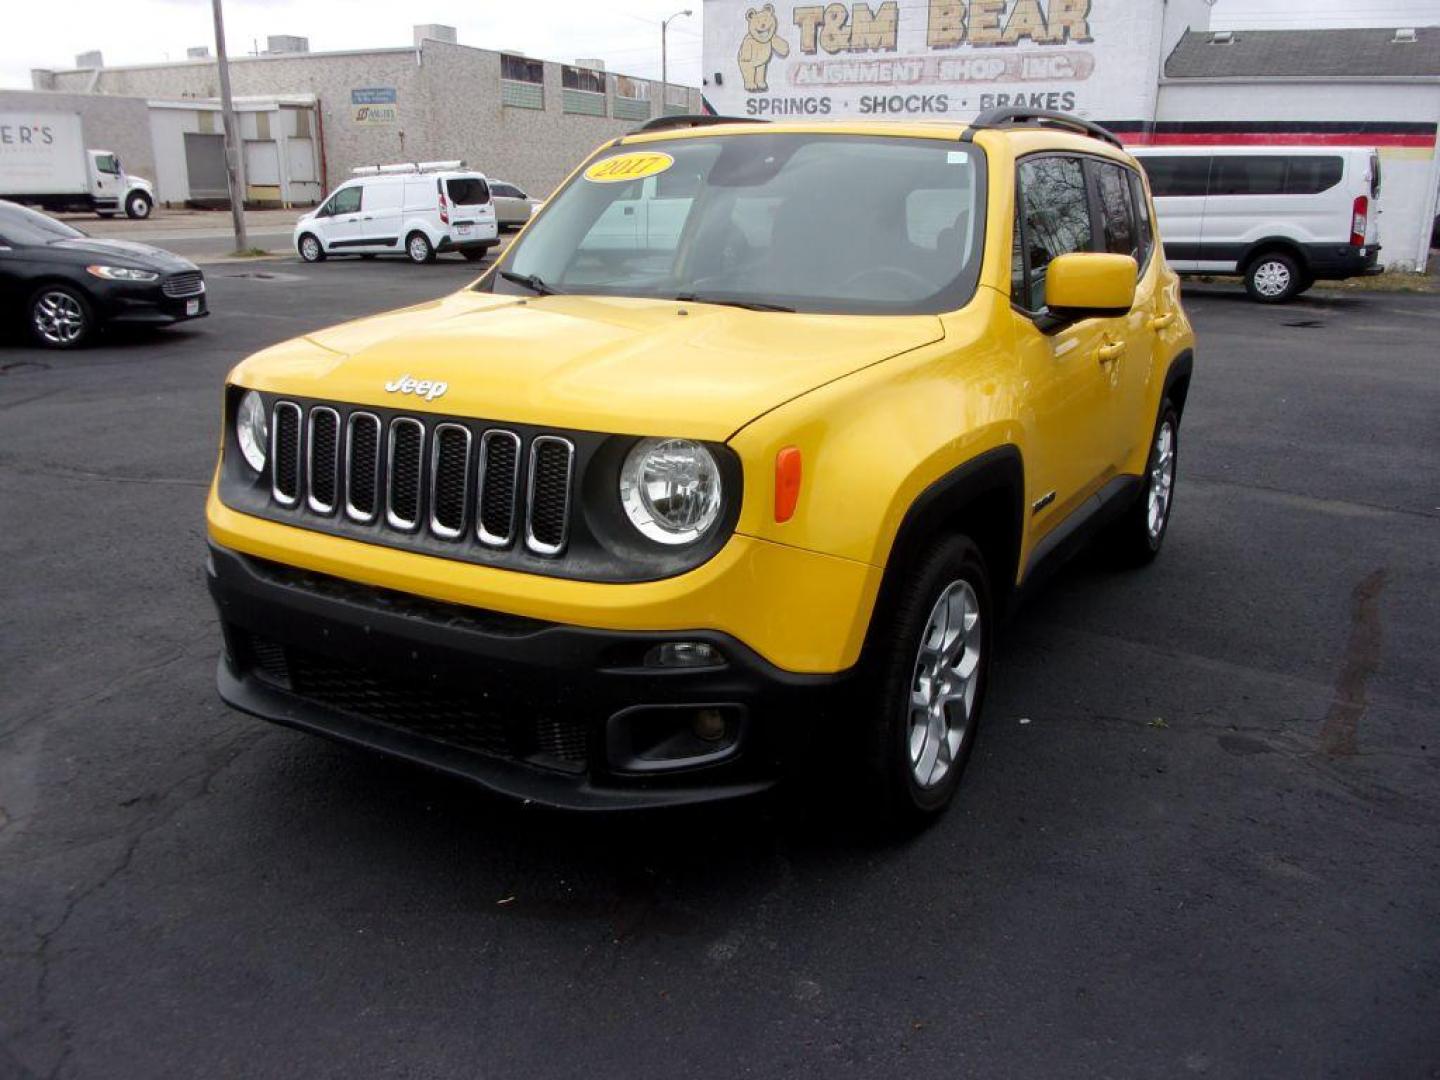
1012 116
694 120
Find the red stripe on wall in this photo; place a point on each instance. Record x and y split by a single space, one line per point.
1277 138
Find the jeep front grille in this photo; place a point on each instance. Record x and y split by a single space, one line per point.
446 479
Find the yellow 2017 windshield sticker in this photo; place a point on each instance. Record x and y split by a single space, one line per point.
634 166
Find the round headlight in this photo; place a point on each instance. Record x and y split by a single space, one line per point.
670 489
251 430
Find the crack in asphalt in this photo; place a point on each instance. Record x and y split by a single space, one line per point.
43 952
1340 730
1320 503
65 472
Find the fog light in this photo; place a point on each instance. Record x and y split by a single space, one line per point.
682 654
709 725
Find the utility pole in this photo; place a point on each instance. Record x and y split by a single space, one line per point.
234 145
664 79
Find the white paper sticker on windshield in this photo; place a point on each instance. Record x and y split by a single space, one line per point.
956 157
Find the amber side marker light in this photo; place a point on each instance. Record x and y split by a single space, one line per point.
787 483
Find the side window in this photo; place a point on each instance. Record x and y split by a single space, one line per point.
1177 177
503 191
1116 210
1309 174
346 200
1055 212
106 163
1248 175
1144 227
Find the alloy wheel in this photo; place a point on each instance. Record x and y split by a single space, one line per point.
58 318
944 683
1162 479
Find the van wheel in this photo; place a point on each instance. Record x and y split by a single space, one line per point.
138 205
1273 278
310 249
419 248
60 317
475 254
930 683
1135 538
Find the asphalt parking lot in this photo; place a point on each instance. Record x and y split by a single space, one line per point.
1198 836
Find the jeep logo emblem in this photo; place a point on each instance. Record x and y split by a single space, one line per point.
424 388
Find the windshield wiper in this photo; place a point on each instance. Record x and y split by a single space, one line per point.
534 282
749 305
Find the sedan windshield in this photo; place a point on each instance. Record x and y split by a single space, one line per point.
790 221
21 225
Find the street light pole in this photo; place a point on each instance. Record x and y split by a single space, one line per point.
234 146
664 74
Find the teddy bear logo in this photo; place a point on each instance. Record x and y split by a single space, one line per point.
762 41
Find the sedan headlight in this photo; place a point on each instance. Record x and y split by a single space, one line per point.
671 490
251 430
122 273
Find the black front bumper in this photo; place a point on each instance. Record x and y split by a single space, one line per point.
536 710
146 305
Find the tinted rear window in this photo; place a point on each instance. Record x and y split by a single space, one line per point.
1248 176
1311 175
468 191
1176 176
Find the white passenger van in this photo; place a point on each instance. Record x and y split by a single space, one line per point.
415 209
1282 217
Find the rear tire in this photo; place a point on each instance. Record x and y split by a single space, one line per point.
310 248
419 248
475 254
928 684
59 317
1273 278
1135 538
138 205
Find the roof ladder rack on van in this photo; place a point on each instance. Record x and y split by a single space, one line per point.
1011 116
694 120
405 167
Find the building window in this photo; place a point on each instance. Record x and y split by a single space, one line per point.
522 82
582 91
632 98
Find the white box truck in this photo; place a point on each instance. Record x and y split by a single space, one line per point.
44 162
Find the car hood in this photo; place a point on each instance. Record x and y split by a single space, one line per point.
126 252
623 365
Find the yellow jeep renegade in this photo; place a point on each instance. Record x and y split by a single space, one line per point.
738 454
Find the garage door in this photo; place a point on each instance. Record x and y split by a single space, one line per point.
205 166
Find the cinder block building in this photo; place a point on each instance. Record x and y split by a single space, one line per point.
514 117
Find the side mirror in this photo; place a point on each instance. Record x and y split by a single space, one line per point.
1089 285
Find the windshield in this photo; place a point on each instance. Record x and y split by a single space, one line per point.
813 222
21 225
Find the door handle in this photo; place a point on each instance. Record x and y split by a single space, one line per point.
1160 322
1110 352
365 218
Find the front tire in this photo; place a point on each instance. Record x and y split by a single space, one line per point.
60 317
1136 537
419 248
929 683
138 205
310 249
1274 278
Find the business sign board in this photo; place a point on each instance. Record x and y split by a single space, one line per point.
374 105
941 59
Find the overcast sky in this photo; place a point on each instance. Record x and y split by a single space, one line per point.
624 33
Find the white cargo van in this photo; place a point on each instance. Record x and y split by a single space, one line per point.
44 163
413 209
1282 217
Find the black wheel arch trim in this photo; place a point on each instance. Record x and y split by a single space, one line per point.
989 482
1176 387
